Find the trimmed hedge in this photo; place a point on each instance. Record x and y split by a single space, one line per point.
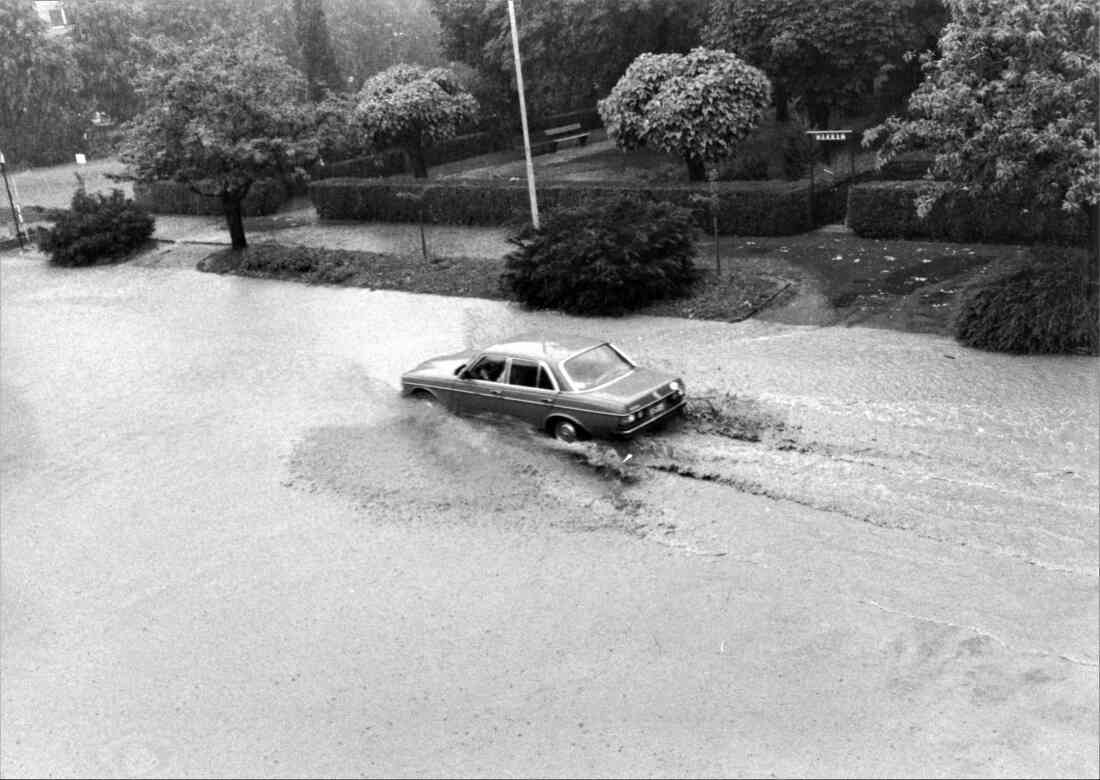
170 197
771 208
388 163
588 118
906 167
887 209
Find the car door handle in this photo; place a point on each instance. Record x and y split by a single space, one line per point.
498 392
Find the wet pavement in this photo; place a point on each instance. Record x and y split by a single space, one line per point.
229 549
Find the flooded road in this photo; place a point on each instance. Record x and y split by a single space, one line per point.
229 549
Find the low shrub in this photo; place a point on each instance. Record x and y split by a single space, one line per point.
1046 305
608 258
172 197
887 209
767 208
95 229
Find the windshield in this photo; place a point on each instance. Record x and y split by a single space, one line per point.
595 367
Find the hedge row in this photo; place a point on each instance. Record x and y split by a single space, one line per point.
887 209
745 208
588 118
171 197
387 163
393 161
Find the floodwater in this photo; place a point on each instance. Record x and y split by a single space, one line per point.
229 549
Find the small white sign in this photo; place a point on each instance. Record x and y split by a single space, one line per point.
827 135
81 159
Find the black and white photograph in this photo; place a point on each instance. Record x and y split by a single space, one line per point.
550 389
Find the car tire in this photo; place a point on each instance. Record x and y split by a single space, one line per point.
424 397
567 431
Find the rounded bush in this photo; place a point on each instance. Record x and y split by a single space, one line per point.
607 257
95 229
1048 305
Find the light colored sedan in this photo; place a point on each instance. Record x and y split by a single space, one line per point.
569 386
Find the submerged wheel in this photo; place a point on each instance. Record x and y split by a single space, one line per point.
568 432
424 397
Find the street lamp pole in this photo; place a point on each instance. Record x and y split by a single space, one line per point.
523 118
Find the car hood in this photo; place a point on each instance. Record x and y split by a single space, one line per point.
443 365
639 387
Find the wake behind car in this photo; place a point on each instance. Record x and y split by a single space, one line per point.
571 387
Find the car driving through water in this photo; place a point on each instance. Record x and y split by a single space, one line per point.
572 387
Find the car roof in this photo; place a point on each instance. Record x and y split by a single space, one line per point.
545 346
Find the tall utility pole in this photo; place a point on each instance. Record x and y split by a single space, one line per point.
16 214
523 118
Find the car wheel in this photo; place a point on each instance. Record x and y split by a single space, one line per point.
424 397
568 432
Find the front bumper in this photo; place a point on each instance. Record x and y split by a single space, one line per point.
673 409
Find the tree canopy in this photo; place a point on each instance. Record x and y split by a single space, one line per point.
573 50
1011 103
697 105
414 108
827 55
315 49
42 109
218 119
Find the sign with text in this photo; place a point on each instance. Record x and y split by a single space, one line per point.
829 135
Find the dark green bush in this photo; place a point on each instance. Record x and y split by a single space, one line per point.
95 229
606 258
887 209
767 208
1046 305
172 197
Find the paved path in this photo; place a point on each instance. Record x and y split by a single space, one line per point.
299 224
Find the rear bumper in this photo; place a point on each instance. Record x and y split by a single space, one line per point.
650 421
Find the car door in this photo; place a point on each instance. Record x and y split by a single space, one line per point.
530 391
481 386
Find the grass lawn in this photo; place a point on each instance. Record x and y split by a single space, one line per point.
908 285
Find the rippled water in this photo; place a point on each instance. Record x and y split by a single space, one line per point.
210 486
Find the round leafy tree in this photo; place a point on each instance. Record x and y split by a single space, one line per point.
604 258
414 108
1011 105
698 105
828 55
220 118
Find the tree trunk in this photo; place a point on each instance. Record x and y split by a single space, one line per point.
419 164
782 110
697 169
233 205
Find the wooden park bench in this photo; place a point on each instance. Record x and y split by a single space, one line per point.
552 137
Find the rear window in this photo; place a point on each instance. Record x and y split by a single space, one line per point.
596 367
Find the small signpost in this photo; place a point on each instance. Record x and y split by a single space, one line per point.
843 136
16 212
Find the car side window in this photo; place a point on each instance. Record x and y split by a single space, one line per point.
488 369
524 374
546 382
